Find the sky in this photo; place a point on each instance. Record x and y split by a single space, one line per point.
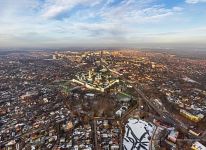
102 23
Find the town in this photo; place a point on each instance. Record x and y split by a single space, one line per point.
102 100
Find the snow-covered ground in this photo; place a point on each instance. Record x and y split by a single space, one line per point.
137 134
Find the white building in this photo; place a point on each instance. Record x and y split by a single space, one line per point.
198 146
138 134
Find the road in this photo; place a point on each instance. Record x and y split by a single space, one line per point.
129 112
167 116
95 134
164 114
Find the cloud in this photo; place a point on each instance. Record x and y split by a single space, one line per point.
194 1
113 20
134 12
65 22
142 11
53 8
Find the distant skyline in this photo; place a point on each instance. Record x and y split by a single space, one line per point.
103 23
